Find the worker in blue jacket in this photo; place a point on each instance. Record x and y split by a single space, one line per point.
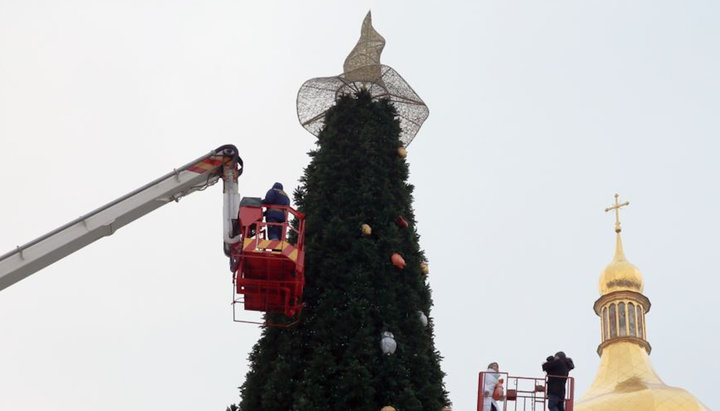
275 196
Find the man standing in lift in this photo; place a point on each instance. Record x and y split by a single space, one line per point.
275 196
557 368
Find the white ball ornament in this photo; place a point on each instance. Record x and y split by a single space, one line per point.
387 343
423 318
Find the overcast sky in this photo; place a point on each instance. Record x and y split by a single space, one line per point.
539 113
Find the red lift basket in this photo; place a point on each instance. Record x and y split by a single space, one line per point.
270 274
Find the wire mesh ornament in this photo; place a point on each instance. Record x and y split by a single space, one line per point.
362 71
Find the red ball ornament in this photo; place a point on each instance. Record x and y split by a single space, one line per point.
398 261
402 222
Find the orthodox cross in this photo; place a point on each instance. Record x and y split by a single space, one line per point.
616 207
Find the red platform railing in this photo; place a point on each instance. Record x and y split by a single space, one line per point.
523 393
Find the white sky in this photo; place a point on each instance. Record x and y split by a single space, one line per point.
539 112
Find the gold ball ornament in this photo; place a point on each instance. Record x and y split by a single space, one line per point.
366 229
387 408
402 152
447 409
424 268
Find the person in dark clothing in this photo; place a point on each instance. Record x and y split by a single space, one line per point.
275 196
557 367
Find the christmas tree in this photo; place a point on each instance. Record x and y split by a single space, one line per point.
364 340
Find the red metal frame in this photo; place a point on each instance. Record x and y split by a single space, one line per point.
270 275
525 393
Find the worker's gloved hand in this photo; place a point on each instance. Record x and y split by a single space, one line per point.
486 393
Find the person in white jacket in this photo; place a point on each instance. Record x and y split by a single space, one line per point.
492 377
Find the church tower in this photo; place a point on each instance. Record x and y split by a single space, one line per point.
626 380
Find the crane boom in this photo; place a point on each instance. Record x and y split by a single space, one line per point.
223 162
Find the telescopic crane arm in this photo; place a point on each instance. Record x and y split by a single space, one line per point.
223 163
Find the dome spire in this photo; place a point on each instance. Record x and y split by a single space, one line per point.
620 274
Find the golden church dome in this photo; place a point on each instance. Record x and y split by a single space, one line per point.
626 380
620 274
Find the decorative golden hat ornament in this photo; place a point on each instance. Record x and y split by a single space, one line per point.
362 70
